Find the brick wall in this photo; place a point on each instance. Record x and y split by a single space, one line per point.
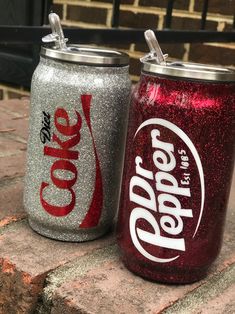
10 92
151 14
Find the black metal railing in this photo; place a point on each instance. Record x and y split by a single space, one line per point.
32 34
115 15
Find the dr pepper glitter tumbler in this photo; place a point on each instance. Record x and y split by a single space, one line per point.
79 105
177 170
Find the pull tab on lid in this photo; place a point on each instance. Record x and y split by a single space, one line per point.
155 53
155 63
76 53
57 35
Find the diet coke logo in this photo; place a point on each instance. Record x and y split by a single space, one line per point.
65 153
64 149
164 212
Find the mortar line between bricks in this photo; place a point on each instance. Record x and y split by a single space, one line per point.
13 137
9 180
77 267
13 114
208 284
9 220
113 246
9 154
11 224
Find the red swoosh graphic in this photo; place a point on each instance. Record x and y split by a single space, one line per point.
93 215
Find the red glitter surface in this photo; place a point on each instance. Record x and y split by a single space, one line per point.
204 111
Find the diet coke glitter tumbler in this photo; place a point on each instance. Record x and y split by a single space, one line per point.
177 170
79 105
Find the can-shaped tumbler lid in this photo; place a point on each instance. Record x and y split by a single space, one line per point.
78 53
155 62
194 71
87 55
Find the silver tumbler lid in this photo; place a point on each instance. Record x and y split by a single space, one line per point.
87 55
194 71
155 62
58 49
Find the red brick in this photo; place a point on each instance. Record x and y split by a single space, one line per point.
179 4
87 15
223 303
14 126
109 286
127 1
14 95
118 46
112 288
103 285
13 134
111 1
228 27
185 23
7 220
13 165
138 20
58 9
11 200
12 158
173 50
217 6
25 260
16 107
135 66
216 295
231 203
15 286
211 54
9 147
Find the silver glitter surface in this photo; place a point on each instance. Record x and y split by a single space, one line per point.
59 84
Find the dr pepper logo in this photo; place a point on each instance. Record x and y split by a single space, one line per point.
158 196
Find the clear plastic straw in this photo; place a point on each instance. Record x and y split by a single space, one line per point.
155 49
57 34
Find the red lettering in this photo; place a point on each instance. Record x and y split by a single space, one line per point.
67 129
62 153
54 210
69 143
63 165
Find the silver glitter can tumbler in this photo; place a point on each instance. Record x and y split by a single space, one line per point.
79 108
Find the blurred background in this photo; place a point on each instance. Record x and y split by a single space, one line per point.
19 55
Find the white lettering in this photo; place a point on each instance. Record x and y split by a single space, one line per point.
144 228
141 171
148 202
151 238
160 158
173 187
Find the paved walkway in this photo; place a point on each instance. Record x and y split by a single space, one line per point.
39 275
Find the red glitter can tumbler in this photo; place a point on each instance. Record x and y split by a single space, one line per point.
177 171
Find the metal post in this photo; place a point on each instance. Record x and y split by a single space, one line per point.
204 14
115 14
169 13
